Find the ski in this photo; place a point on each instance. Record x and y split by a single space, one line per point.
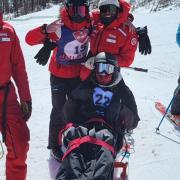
121 164
173 119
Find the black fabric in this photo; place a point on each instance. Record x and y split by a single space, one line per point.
113 113
89 161
60 90
44 53
84 108
106 21
175 107
4 109
26 108
144 41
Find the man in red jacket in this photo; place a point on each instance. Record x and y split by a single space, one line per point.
72 37
13 115
109 34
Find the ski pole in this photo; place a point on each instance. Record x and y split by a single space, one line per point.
176 92
138 69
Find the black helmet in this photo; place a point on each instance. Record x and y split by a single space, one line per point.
107 72
78 10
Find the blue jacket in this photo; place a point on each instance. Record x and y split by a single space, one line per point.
178 36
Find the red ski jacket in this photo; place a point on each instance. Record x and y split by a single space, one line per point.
114 38
36 36
12 62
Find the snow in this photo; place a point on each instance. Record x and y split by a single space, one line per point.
156 156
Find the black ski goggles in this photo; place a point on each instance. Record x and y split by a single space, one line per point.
81 11
108 8
104 68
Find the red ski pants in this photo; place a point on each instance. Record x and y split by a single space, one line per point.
17 137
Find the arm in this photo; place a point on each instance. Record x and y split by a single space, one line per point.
39 34
45 34
142 32
20 77
19 73
127 52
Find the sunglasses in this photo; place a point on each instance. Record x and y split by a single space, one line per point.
108 8
104 68
77 11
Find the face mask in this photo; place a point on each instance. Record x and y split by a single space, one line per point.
108 13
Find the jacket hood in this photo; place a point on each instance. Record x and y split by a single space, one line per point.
69 23
121 18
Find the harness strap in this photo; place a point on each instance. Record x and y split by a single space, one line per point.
4 109
87 139
100 121
67 126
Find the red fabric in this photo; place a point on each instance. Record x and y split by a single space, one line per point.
67 126
1 17
114 38
12 61
36 36
87 139
17 137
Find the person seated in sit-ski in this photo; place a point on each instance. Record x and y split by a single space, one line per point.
95 117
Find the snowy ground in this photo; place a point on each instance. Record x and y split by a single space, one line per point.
156 156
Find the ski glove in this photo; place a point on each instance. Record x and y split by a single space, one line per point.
26 108
144 41
44 53
89 64
112 115
179 79
128 119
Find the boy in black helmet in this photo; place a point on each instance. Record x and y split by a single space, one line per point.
95 118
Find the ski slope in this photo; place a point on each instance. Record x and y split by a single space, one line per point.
156 156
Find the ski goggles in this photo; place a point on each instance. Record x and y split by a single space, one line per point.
108 8
104 68
77 11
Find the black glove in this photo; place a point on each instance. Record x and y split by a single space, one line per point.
144 41
44 53
26 108
128 119
112 114
179 80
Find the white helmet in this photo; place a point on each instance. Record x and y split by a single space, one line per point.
107 2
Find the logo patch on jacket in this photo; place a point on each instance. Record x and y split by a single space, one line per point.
111 38
5 39
81 35
133 41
